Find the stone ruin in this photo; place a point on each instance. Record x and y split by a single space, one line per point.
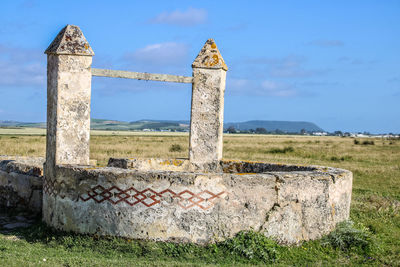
201 199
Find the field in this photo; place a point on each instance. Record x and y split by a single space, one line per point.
375 202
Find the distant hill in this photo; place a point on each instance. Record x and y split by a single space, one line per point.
159 125
285 126
98 124
22 124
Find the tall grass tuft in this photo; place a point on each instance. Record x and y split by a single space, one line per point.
175 148
368 142
281 150
253 246
350 237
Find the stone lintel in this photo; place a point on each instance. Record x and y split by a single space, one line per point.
141 76
209 57
70 41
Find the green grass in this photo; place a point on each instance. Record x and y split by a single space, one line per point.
43 246
373 239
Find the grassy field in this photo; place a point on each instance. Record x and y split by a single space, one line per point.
40 131
375 204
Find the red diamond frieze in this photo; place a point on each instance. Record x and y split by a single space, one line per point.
149 197
51 187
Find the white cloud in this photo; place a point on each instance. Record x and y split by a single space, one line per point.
21 67
278 89
238 84
291 66
189 17
167 57
170 53
266 87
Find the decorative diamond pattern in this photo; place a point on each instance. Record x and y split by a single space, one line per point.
148 197
48 186
51 187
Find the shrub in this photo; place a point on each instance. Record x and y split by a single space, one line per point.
231 129
252 246
348 237
281 150
175 148
367 142
334 158
261 131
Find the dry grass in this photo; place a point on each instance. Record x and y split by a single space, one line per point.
380 162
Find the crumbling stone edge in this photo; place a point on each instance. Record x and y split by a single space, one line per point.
21 182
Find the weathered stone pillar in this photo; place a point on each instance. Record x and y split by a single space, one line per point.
69 60
207 114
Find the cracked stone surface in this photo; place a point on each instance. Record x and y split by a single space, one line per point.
68 109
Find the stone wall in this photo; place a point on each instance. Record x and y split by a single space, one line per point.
21 181
156 204
166 200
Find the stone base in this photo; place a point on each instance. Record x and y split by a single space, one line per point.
167 200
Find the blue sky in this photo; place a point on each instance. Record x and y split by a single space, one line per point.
334 63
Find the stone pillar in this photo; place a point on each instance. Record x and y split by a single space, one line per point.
69 60
207 114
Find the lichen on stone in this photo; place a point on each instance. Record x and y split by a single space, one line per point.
70 41
209 57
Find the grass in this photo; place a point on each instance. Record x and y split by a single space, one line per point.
281 150
175 148
373 239
347 237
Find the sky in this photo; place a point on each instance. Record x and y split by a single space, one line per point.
334 63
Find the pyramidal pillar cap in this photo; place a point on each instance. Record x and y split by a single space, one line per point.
70 41
209 57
